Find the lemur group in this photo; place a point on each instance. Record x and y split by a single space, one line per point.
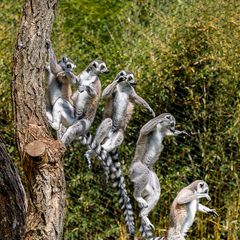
72 114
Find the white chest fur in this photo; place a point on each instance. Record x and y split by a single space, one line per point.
154 148
120 104
192 209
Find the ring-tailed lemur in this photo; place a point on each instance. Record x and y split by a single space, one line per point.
184 208
79 116
146 184
60 78
120 97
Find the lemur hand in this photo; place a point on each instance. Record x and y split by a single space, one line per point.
213 212
82 88
184 132
121 79
153 113
48 44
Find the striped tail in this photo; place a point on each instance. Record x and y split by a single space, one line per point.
146 230
119 183
114 167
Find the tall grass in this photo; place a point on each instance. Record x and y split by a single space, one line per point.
185 56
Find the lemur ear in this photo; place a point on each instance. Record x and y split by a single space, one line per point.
122 73
65 59
94 64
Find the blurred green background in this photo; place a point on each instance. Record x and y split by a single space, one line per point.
185 56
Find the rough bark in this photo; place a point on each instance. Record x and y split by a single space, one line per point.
12 199
42 166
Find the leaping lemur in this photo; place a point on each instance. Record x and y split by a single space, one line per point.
148 149
60 78
184 208
120 97
79 116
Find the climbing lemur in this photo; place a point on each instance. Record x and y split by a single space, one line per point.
184 208
149 147
60 78
79 116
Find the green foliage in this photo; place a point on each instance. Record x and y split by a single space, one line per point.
185 56
9 18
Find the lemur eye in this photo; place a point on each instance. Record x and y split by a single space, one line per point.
122 73
201 185
168 117
102 67
69 65
130 78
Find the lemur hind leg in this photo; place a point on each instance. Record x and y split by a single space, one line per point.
63 112
103 130
152 193
102 133
139 175
79 128
61 131
113 141
49 113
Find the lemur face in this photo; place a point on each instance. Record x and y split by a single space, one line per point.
99 67
130 78
126 76
168 121
67 64
202 188
121 76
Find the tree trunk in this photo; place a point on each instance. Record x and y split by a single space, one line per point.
40 153
12 199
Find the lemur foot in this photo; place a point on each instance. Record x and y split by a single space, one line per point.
141 202
213 212
54 125
147 223
47 67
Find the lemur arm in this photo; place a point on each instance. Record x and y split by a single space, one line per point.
108 91
54 66
205 209
89 89
175 133
137 99
149 126
71 77
187 195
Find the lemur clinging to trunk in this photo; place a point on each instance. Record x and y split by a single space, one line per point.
77 118
60 78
